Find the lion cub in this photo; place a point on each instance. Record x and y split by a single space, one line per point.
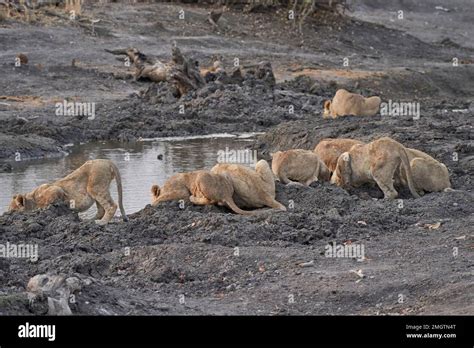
376 162
429 175
329 150
301 166
82 188
345 103
200 187
252 188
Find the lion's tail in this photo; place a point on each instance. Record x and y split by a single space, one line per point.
118 180
406 164
449 189
276 205
231 204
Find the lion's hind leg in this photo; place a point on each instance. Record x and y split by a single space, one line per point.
312 179
387 188
273 203
205 190
108 205
284 180
201 200
100 211
383 173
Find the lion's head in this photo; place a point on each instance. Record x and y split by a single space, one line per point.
155 193
324 172
18 203
341 175
41 197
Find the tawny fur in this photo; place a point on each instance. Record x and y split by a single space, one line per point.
82 188
345 103
217 66
378 162
301 166
200 187
429 175
329 150
252 188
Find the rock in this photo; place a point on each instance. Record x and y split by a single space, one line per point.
6 168
467 162
34 227
58 307
74 284
23 58
45 284
56 288
265 72
236 73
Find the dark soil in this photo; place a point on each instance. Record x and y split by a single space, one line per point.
192 251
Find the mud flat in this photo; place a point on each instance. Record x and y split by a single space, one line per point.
228 264
206 260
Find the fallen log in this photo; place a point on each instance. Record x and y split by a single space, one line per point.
213 17
180 71
145 68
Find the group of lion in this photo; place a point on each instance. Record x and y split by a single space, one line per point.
351 163
343 162
233 185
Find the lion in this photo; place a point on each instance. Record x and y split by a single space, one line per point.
429 175
376 162
201 187
345 103
252 188
84 186
329 150
300 166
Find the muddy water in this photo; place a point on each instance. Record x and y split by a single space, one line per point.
138 164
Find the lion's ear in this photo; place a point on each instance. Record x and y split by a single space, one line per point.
345 156
155 191
20 200
327 104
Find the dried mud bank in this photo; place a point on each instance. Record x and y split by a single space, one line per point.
228 264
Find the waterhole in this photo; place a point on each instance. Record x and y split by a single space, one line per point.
141 165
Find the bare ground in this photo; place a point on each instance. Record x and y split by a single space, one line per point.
192 252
